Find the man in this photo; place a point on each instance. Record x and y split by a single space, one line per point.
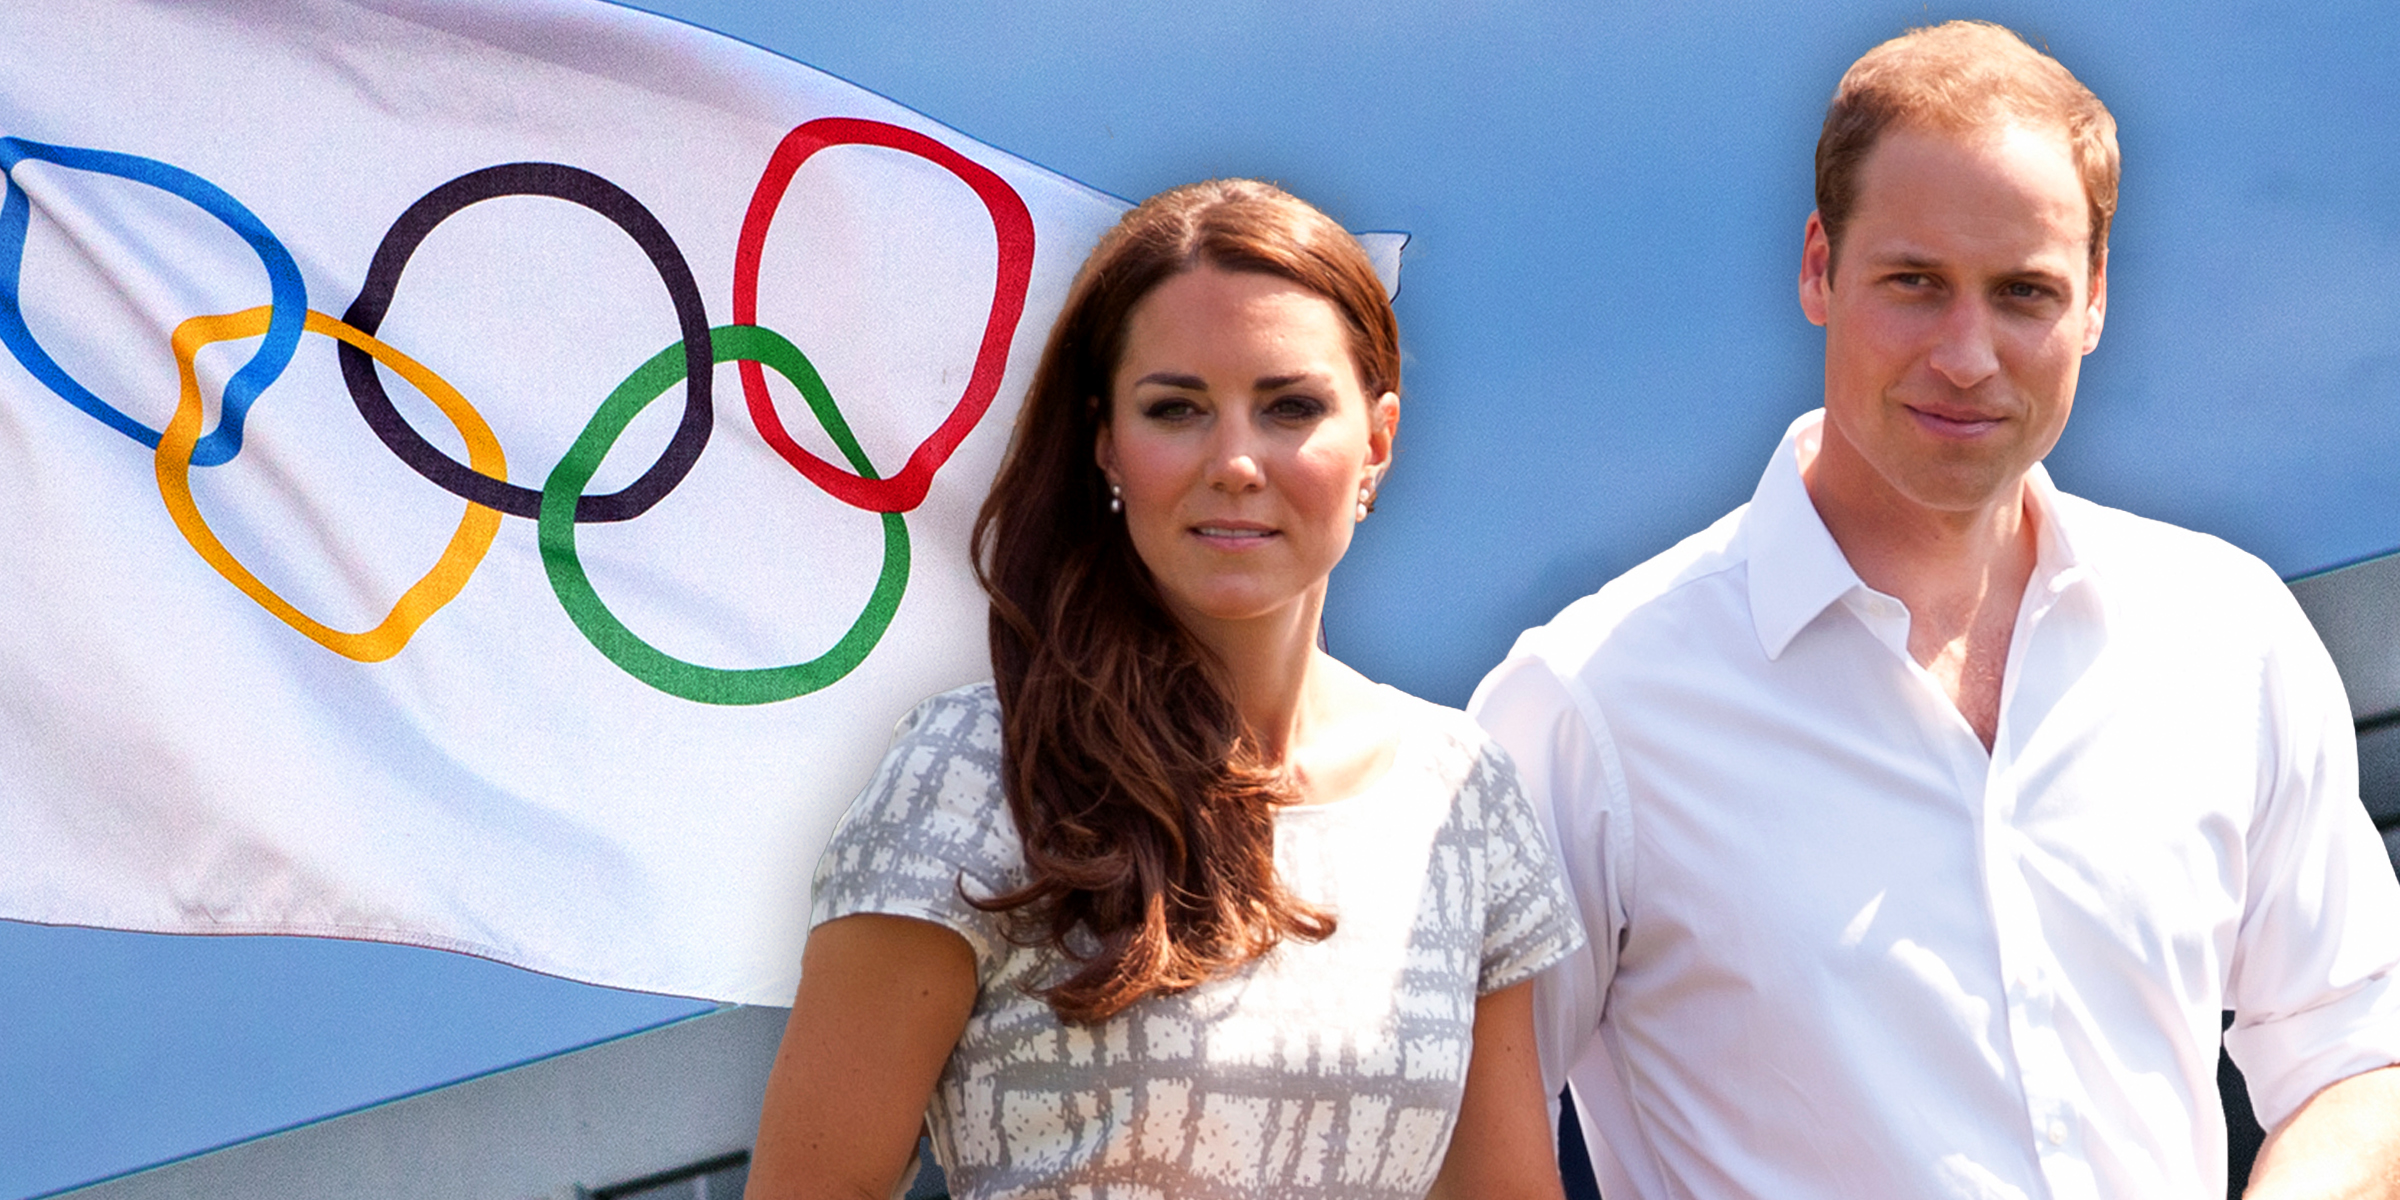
1924 818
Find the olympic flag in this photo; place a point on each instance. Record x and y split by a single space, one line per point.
481 475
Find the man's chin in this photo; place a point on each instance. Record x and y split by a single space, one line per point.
1966 490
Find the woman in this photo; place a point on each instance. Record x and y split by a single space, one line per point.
1179 905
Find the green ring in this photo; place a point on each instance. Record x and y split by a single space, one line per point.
691 681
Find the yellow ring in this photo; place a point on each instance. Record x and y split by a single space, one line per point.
423 598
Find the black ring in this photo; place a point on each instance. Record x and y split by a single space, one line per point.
575 186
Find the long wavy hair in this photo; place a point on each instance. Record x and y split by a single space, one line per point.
1146 809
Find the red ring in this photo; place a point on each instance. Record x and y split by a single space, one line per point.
1013 226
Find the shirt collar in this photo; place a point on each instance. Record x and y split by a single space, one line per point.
2058 562
1797 570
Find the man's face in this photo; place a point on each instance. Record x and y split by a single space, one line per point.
1956 318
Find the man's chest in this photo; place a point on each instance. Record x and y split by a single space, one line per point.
1841 832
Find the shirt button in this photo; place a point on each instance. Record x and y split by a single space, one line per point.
2058 1133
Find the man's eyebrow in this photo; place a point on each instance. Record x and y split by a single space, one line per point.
1913 260
1909 260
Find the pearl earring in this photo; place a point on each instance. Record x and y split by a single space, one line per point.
1366 499
1116 498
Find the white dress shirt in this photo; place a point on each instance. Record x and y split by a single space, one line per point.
1839 949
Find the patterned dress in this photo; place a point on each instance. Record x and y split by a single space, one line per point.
1331 1069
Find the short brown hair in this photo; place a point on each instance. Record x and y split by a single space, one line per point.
1146 811
1952 78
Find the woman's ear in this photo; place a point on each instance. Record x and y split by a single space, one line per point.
1104 443
1383 425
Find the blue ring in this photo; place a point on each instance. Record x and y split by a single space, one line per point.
289 295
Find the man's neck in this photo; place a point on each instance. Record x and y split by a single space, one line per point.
1962 573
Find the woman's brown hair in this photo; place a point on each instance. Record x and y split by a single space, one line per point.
1146 810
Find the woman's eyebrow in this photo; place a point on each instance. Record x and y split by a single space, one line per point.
1173 380
1268 383
1264 383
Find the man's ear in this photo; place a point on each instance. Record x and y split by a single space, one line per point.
1816 271
2098 305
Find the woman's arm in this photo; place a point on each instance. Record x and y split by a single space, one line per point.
1502 1146
882 1001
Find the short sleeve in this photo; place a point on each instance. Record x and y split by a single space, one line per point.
1529 922
932 822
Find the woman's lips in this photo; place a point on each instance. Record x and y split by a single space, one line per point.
1237 534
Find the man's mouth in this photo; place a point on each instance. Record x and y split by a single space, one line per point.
1955 422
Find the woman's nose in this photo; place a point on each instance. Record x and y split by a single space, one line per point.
1233 462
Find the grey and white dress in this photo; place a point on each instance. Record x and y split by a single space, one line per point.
1329 1069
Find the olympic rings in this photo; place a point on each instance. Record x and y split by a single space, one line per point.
575 186
1011 223
438 587
290 298
674 676
482 480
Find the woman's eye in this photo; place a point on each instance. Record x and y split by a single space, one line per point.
1170 408
1298 408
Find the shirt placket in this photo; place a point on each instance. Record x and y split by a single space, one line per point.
2030 972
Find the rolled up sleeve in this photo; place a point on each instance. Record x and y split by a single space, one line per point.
2315 978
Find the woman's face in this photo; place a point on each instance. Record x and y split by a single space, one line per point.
1241 437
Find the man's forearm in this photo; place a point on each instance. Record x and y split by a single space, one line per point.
2343 1143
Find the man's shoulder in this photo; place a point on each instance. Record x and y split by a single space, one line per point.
1694 573
2138 557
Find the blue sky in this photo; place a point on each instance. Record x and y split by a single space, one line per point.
1602 346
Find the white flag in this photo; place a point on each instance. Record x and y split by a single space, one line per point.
484 476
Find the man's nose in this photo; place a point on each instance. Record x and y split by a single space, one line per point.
1963 350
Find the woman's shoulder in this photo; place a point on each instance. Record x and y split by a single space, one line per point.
971 711
934 820
1413 711
1448 743
1528 917
938 793
955 734
946 751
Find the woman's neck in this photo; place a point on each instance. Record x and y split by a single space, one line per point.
1277 674
1327 727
